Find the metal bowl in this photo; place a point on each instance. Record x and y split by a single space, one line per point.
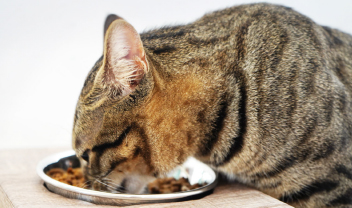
194 170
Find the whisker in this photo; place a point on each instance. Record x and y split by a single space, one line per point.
109 180
85 184
108 183
118 187
109 187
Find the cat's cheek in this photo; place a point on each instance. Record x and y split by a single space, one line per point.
136 165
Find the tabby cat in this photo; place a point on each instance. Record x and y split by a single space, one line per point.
258 92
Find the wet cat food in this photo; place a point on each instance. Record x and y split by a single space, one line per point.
170 185
72 176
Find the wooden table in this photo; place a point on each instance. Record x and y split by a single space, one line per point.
20 186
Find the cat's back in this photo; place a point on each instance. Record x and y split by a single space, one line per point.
233 33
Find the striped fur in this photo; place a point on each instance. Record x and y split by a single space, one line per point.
259 92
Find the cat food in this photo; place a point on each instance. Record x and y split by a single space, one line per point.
72 176
170 185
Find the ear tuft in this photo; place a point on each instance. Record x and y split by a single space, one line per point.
125 63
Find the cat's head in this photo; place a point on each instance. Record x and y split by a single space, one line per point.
110 151
120 130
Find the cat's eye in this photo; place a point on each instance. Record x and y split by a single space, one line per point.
85 156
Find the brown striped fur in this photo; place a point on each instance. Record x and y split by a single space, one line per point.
259 92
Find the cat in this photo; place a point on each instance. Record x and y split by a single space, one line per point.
258 92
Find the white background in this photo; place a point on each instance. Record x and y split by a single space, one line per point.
48 47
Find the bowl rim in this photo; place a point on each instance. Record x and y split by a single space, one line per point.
147 197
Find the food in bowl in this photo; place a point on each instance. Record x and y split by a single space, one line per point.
72 176
75 177
171 185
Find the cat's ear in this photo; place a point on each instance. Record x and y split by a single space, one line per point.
125 63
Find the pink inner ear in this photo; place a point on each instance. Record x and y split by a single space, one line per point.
133 40
125 61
